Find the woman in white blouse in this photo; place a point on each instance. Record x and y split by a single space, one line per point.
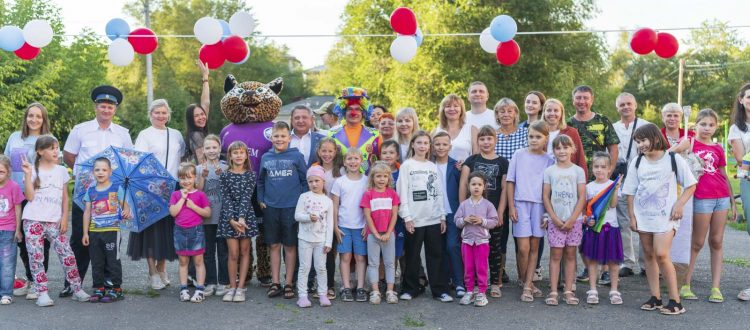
739 138
452 116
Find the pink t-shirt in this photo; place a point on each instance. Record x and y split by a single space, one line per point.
712 184
188 218
381 207
10 196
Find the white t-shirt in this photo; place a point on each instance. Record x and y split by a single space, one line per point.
461 145
655 189
485 118
564 188
593 188
736 134
624 133
48 198
155 141
350 195
442 169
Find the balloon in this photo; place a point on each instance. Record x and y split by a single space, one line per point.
403 48
245 59
403 21
27 52
643 41
666 45
225 29
488 43
11 38
120 52
503 28
38 33
508 53
419 37
208 30
212 55
117 28
235 49
143 45
242 24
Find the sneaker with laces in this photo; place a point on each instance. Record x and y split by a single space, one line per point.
481 300
445 298
98 295
164 277
467 299
604 279
209 291
375 297
221 289
406 296
346 294
184 295
21 287
239 295
44 300
115 294
81 296
229 295
361 295
391 297
156 282
31 294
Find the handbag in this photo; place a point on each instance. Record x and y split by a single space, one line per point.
694 162
621 168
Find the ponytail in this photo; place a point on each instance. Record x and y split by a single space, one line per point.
43 142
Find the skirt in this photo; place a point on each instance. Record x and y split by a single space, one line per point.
189 241
156 241
603 247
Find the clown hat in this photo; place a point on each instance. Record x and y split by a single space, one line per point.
353 95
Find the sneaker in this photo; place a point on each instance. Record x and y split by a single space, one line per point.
460 291
108 284
209 291
98 295
374 297
239 295
156 282
481 300
221 289
21 287
584 276
604 279
265 281
346 294
164 278
445 298
405 296
361 295
626 271
198 296
44 300
115 294
467 299
537 275
303 302
66 292
81 296
686 293
391 297
185 294
229 295
6 300
31 295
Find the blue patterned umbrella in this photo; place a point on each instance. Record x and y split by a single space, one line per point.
145 181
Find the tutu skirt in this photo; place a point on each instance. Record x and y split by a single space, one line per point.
603 247
156 241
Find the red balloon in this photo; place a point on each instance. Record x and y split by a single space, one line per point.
143 45
235 49
667 45
403 21
643 41
27 52
508 53
212 55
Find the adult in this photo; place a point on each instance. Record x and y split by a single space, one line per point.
739 138
596 131
452 115
386 131
196 122
671 117
34 123
479 115
304 135
407 124
626 106
156 242
85 141
354 105
330 119
554 116
532 106
377 111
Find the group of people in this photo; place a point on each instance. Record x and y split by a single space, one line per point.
376 191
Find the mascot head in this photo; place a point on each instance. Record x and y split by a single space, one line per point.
251 101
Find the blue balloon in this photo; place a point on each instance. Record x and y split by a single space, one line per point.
503 28
246 57
11 38
117 28
225 26
419 36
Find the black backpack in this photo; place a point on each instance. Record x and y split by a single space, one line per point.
672 158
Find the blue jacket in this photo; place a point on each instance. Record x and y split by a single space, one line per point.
453 177
282 179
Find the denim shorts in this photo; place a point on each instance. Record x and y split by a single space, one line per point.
352 242
190 241
279 226
711 205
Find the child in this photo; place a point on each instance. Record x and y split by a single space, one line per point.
189 206
380 205
655 209
526 206
494 168
604 247
209 182
46 217
407 123
712 202
281 181
11 198
389 153
449 178
349 222
422 208
104 210
476 216
314 212
564 196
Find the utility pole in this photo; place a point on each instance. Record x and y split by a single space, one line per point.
685 109
149 72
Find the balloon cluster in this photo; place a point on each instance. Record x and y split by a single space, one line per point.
26 43
126 43
404 47
646 40
224 41
498 39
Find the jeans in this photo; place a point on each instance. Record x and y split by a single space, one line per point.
452 263
7 262
374 248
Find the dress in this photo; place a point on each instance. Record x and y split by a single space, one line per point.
236 192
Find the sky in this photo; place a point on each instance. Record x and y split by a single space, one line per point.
323 17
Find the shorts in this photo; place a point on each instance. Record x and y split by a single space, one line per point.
561 239
711 205
352 242
280 226
529 219
190 241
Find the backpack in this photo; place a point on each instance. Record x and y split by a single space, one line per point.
672 158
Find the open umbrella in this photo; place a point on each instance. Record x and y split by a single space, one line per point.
145 181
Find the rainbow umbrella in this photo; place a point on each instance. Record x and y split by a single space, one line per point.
598 205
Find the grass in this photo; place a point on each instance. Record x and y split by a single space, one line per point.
738 226
151 293
413 322
328 321
741 262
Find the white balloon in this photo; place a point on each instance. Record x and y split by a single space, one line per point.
208 30
488 43
121 52
38 33
242 24
404 48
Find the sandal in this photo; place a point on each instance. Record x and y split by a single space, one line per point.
615 298
592 297
673 308
527 295
687 294
744 295
536 292
570 298
495 291
331 294
288 292
551 299
716 296
652 304
274 290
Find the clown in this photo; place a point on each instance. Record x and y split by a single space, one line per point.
354 105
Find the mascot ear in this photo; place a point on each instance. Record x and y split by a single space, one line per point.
229 83
276 85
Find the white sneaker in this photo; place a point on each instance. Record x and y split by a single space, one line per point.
229 295
44 300
239 295
445 298
31 294
24 290
164 278
481 300
156 282
220 290
81 296
467 299
209 291
184 295
405 296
